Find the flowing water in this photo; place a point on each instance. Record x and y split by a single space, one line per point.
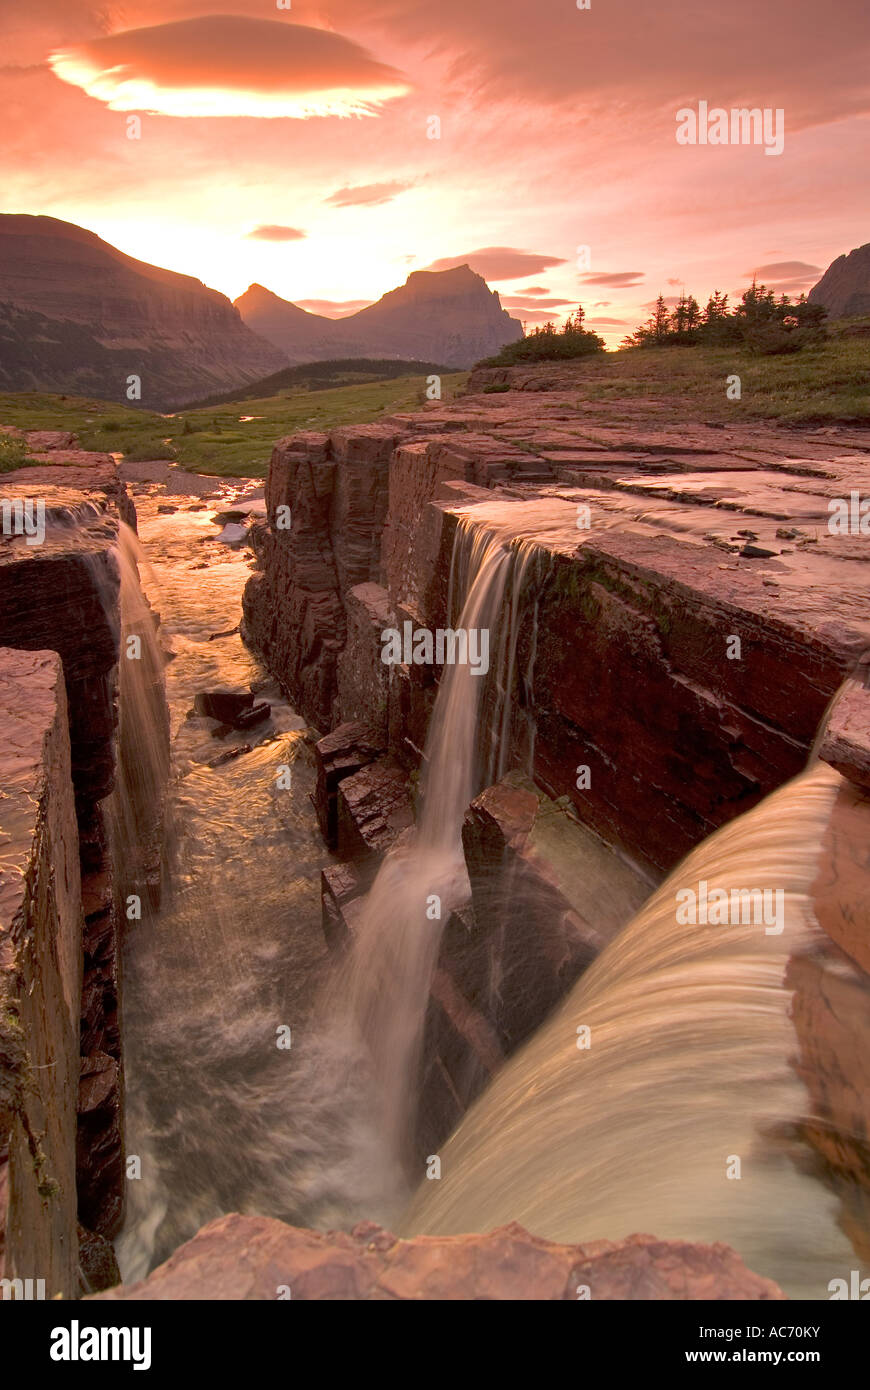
134 809
385 985
221 1117
690 1062
687 1068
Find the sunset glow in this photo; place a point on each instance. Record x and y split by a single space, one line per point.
489 129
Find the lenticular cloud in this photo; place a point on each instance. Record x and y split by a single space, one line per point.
226 65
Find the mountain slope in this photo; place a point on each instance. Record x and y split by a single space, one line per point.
448 316
115 316
844 289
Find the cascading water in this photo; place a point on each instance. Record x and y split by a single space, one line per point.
219 1116
691 1043
689 1067
385 985
135 807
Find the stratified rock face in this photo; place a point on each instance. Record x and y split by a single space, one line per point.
844 289
445 316
246 1258
63 594
668 675
846 742
831 1008
333 490
78 315
546 896
40 976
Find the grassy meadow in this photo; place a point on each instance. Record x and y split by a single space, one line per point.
827 384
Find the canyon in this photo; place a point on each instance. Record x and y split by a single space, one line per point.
675 633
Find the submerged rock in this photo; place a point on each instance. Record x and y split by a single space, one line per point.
223 705
233 535
228 755
255 715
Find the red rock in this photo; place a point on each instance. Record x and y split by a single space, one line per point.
373 809
338 755
846 741
40 975
223 705
256 1257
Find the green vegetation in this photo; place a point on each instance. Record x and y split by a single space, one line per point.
824 383
214 439
547 345
322 376
13 452
760 322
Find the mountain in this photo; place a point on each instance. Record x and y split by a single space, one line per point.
300 336
844 289
78 315
448 316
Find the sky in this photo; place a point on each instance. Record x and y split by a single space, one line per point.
326 148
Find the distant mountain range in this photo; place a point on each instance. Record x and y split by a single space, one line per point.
79 316
448 316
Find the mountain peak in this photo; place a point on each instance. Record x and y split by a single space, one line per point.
449 316
844 289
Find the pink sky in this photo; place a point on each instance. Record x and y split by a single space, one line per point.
557 132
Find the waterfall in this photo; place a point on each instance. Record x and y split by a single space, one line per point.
385 984
688 1067
134 808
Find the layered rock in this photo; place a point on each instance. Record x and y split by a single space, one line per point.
63 594
687 633
40 977
257 1258
831 983
332 489
687 617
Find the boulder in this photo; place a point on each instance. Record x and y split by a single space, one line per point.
374 807
338 755
224 705
259 1258
260 710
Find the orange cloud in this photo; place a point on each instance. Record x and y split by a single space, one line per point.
227 65
272 232
614 279
333 308
367 194
521 301
500 262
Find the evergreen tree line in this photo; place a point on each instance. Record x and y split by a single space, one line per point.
760 321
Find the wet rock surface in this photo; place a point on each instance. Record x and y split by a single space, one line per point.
675 541
251 1257
40 976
